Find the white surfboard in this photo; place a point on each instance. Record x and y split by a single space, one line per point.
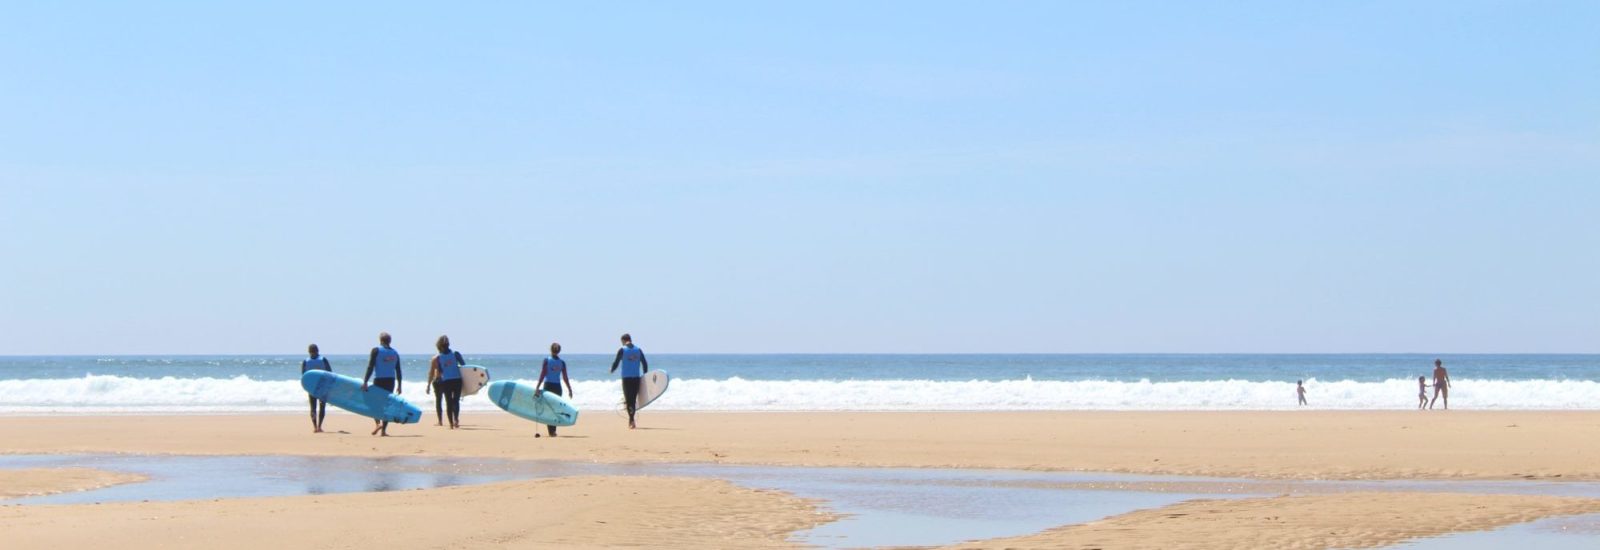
473 378
651 386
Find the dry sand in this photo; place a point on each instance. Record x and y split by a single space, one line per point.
690 513
49 481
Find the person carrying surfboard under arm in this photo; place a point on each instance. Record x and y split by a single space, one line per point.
383 367
319 408
634 367
444 372
553 372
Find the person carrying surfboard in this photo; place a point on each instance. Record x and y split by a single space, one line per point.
553 372
444 373
383 367
634 366
319 408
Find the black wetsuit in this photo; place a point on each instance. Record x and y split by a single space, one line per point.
634 365
438 400
388 384
449 390
319 408
553 387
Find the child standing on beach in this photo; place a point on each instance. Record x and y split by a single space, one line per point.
1422 392
553 372
319 408
1300 388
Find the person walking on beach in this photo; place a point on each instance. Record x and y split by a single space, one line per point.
553 372
444 373
634 367
319 408
1441 384
1422 393
383 367
1300 388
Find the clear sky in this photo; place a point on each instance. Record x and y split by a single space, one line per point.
1271 176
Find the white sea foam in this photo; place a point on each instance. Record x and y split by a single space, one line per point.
100 394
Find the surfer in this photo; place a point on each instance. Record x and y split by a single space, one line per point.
553 372
634 366
319 408
383 367
1441 384
444 373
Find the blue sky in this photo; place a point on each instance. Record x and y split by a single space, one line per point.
811 177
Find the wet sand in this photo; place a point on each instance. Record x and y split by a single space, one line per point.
1299 445
1351 520
577 512
49 481
1270 445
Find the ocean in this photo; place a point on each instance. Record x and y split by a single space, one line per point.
974 382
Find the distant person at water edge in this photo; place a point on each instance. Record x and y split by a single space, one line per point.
383 367
1300 388
444 373
319 408
553 372
1441 384
1422 393
634 367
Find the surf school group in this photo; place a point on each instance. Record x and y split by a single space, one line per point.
377 394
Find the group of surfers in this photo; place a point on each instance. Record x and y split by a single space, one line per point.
444 378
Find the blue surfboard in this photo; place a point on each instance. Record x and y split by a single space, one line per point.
345 392
527 402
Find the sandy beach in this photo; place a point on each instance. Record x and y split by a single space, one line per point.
1273 445
46 481
579 512
1287 446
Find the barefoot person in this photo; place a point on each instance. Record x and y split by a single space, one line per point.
444 373
1441 384
634 367
1422 393
383 367
319 408
553 372
1300 388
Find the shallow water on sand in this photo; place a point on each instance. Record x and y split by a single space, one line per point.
1565 533
881 507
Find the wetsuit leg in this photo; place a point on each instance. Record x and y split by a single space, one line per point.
438 400
388 385
322 412
314 422
630 395
554 387
452 400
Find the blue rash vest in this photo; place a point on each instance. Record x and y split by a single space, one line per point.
320 363
449 367
388 359
553 368
631 356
